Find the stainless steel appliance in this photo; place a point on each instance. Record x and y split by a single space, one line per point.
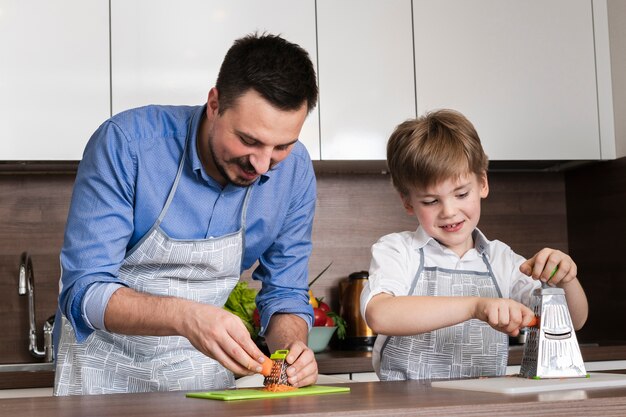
358 334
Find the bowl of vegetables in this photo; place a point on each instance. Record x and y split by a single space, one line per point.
325 322
319 337
241 302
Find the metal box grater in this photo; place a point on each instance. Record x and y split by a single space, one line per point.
278 375
551 349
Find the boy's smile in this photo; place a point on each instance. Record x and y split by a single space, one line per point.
450 210
454 227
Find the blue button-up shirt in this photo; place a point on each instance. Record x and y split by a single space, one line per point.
123 180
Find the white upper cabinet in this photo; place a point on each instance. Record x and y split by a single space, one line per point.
522 71
540 79
365 75
170 52
610 39
54 77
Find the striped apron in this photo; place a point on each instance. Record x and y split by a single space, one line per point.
203 270
465 350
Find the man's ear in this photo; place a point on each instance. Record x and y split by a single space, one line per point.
406 202
212 104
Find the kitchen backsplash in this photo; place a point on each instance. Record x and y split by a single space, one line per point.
596 219
526 210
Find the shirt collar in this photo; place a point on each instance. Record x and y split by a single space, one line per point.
481 243
421 239
192 148
193 158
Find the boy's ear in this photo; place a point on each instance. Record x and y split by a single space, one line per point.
484 185
406 202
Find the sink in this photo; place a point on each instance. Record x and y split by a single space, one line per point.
27 367
26 375
26 393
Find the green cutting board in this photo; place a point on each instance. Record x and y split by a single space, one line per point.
253 393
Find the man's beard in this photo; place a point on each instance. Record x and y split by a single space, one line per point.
242 162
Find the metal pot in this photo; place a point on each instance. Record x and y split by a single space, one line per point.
358 334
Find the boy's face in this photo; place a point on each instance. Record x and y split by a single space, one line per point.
450 210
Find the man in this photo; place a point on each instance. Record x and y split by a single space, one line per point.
170 205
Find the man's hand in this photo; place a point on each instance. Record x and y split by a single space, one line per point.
222 336
287 331
212 330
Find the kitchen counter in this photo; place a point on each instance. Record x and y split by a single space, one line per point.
329 362
400 398
341 362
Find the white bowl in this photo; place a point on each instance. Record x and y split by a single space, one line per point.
319 337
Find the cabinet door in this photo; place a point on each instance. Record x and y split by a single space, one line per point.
54 77
365 75
166 52
522 71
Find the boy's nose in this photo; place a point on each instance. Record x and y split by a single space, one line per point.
448 210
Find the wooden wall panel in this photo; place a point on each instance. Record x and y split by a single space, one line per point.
527 211
596 202
33 212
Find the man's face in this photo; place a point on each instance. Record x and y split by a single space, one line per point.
248 139
449 211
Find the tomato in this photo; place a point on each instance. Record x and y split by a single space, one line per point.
256 318
323 306
320 317
329 322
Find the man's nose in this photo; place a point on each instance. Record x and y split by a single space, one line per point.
262 160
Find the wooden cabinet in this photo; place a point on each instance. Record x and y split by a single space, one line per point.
365 75
523 72
166 52
54 77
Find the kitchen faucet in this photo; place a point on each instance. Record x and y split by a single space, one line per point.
26 285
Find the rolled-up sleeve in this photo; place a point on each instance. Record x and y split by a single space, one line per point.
392 268
100 221
283 267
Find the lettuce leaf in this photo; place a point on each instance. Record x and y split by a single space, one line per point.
241 302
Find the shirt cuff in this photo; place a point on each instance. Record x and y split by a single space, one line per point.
95 303
265 318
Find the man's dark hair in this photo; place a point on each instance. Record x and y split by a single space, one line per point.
280 71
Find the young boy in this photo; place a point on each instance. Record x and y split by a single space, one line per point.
444 298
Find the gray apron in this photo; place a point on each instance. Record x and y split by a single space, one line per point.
204 270
465 350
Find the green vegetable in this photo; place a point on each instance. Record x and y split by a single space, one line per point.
339 322
241 302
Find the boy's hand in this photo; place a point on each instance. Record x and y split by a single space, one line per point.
543 264
503 314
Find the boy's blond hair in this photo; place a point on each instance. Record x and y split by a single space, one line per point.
438 146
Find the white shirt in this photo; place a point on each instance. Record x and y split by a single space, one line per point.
396 260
